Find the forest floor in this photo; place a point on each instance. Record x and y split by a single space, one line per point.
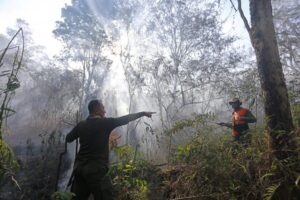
209 167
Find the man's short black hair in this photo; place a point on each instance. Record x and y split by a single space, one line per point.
93 105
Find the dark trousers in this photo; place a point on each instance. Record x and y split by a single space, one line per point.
90 177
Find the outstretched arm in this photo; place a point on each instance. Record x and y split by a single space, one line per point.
228 125
128 118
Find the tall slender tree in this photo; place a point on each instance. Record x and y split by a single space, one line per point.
193 54
276 103
84 38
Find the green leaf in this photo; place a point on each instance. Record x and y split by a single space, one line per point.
62 195
271 191
266 175
297 181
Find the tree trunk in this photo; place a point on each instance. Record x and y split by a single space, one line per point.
276 103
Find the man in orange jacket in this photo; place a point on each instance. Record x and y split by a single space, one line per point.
240 119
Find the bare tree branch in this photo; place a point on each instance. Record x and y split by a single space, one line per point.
233 6
8 45
243 17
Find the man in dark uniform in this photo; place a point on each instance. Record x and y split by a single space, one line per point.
91 163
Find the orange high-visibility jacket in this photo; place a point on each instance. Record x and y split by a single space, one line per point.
236 120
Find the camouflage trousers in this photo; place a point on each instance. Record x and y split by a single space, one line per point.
91 177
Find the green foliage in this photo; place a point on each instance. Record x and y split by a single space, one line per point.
132 179
213 167
125 152
8 163
62 195
37 176
271 191
295 106
296 114
284 176
8 77
128 180
184 152
40 168
194 122
125 180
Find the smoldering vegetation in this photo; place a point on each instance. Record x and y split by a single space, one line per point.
171 57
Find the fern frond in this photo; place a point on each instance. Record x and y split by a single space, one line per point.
297 181
271 191
266 175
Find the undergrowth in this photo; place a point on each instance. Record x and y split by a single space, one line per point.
8 164
217 168
133 179
38 168
212 166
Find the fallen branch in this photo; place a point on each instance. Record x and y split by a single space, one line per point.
190 197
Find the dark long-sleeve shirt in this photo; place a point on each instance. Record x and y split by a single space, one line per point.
93 134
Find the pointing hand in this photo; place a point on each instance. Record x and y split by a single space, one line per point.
149 114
